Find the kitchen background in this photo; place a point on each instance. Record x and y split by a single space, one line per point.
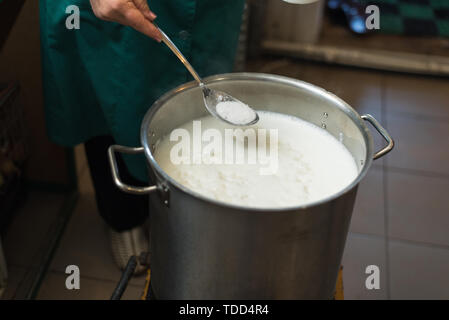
398 74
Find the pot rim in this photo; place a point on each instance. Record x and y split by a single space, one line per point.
338 102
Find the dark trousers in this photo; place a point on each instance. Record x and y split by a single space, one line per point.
121 211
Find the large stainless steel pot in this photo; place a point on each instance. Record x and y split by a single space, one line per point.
205 249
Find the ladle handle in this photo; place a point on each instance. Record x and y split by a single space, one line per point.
383 133
181 57
115 174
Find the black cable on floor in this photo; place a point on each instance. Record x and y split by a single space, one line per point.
126 275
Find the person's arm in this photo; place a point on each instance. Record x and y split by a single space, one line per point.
133 13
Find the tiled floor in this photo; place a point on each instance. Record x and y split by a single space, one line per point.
401 217
85 244
26 240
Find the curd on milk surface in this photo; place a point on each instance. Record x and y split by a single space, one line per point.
311 164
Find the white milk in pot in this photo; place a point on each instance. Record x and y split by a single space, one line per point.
282 161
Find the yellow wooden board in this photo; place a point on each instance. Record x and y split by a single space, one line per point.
339 286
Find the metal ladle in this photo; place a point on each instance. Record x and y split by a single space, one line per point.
211 97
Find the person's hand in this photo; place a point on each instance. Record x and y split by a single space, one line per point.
133 13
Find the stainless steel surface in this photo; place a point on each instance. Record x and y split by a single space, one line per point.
383 133
207 249
210 97
116 176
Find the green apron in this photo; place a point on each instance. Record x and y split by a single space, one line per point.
102 78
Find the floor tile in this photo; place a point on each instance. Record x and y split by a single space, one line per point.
53 288
284 67
314 73
80 159
360 88
15 275
27 232
418 272
418 208
85 185
317 74
362 251
85 243
368 215
417 95
420 144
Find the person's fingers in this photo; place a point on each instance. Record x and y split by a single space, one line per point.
142 5
135 19
133 13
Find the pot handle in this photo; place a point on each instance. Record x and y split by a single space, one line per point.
383 133
115 174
